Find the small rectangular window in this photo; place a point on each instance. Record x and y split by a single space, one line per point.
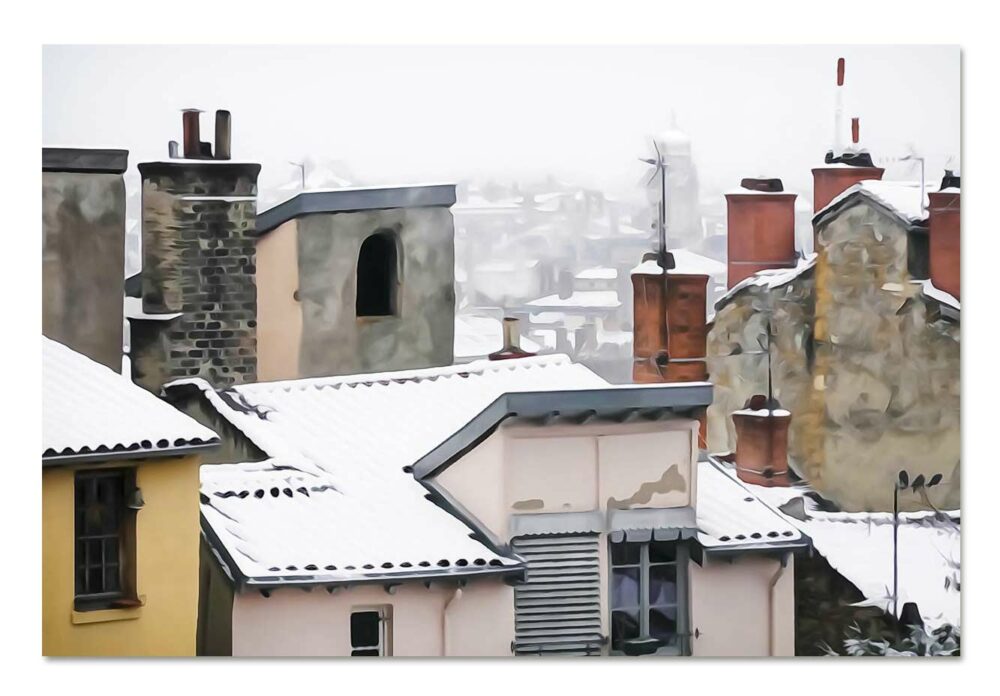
370 632
104 539
648 597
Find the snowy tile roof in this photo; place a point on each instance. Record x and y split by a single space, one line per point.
768 280
858 545
89 410
899 197
586 299
345 441
730 515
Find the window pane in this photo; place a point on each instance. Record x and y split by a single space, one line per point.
624 626
662 584
662 552
368 652
624 587
625 554
364 629
663 624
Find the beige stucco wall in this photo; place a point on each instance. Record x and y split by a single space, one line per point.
167 536
523 469
732 610
279 314
292 622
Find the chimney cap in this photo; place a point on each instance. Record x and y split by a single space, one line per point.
763 185
192 110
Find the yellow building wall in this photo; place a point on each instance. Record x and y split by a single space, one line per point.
167 538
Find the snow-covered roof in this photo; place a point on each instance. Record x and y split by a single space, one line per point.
685 263
587 299
477 337
90 411
345 441
858 545
902 198
728 514
768 279
940 295
598 273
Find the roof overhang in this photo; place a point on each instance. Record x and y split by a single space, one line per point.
116 455
580 405
350 200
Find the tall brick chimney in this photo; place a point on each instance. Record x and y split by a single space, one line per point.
945 214
83 250
844 166
199 292
761 222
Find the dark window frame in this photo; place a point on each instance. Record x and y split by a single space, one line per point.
378 276
363 646
113 532
643 565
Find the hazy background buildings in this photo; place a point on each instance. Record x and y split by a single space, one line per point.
553 208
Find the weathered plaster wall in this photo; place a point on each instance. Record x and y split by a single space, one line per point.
868 369
167 538
732 610
480 622
333 339
83 263
523 469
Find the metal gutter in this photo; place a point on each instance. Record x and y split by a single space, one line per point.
81 458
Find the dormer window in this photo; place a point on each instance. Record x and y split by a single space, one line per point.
377 276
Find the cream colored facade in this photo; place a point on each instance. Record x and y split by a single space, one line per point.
167 537
738 606
444 619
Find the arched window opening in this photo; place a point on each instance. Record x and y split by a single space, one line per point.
377 281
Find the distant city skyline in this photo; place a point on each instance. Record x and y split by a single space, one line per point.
581 114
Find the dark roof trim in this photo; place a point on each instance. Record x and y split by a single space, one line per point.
207 166
137 453
835 209
355 199
583 403
85 160
800 545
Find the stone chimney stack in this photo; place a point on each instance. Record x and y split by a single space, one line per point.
83 250
761 222
945 214
199 292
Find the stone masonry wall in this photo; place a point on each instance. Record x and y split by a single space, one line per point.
334 340
83 262
198 222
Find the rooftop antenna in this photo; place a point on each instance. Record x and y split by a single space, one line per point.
302 171
663 257
913 157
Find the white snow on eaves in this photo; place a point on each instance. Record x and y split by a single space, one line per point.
900 197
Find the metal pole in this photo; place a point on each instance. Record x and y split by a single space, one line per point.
895 556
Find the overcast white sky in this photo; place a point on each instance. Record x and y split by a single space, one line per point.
410 114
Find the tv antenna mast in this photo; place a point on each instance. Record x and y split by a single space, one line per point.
660 170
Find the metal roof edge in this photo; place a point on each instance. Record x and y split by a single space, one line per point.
261 583
353 200
81 458
587 402
84 160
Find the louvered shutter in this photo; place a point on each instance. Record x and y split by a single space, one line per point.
557 609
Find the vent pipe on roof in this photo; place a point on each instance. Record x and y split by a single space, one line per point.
223 134
855 130
192 133
173 149
511 342
838 113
